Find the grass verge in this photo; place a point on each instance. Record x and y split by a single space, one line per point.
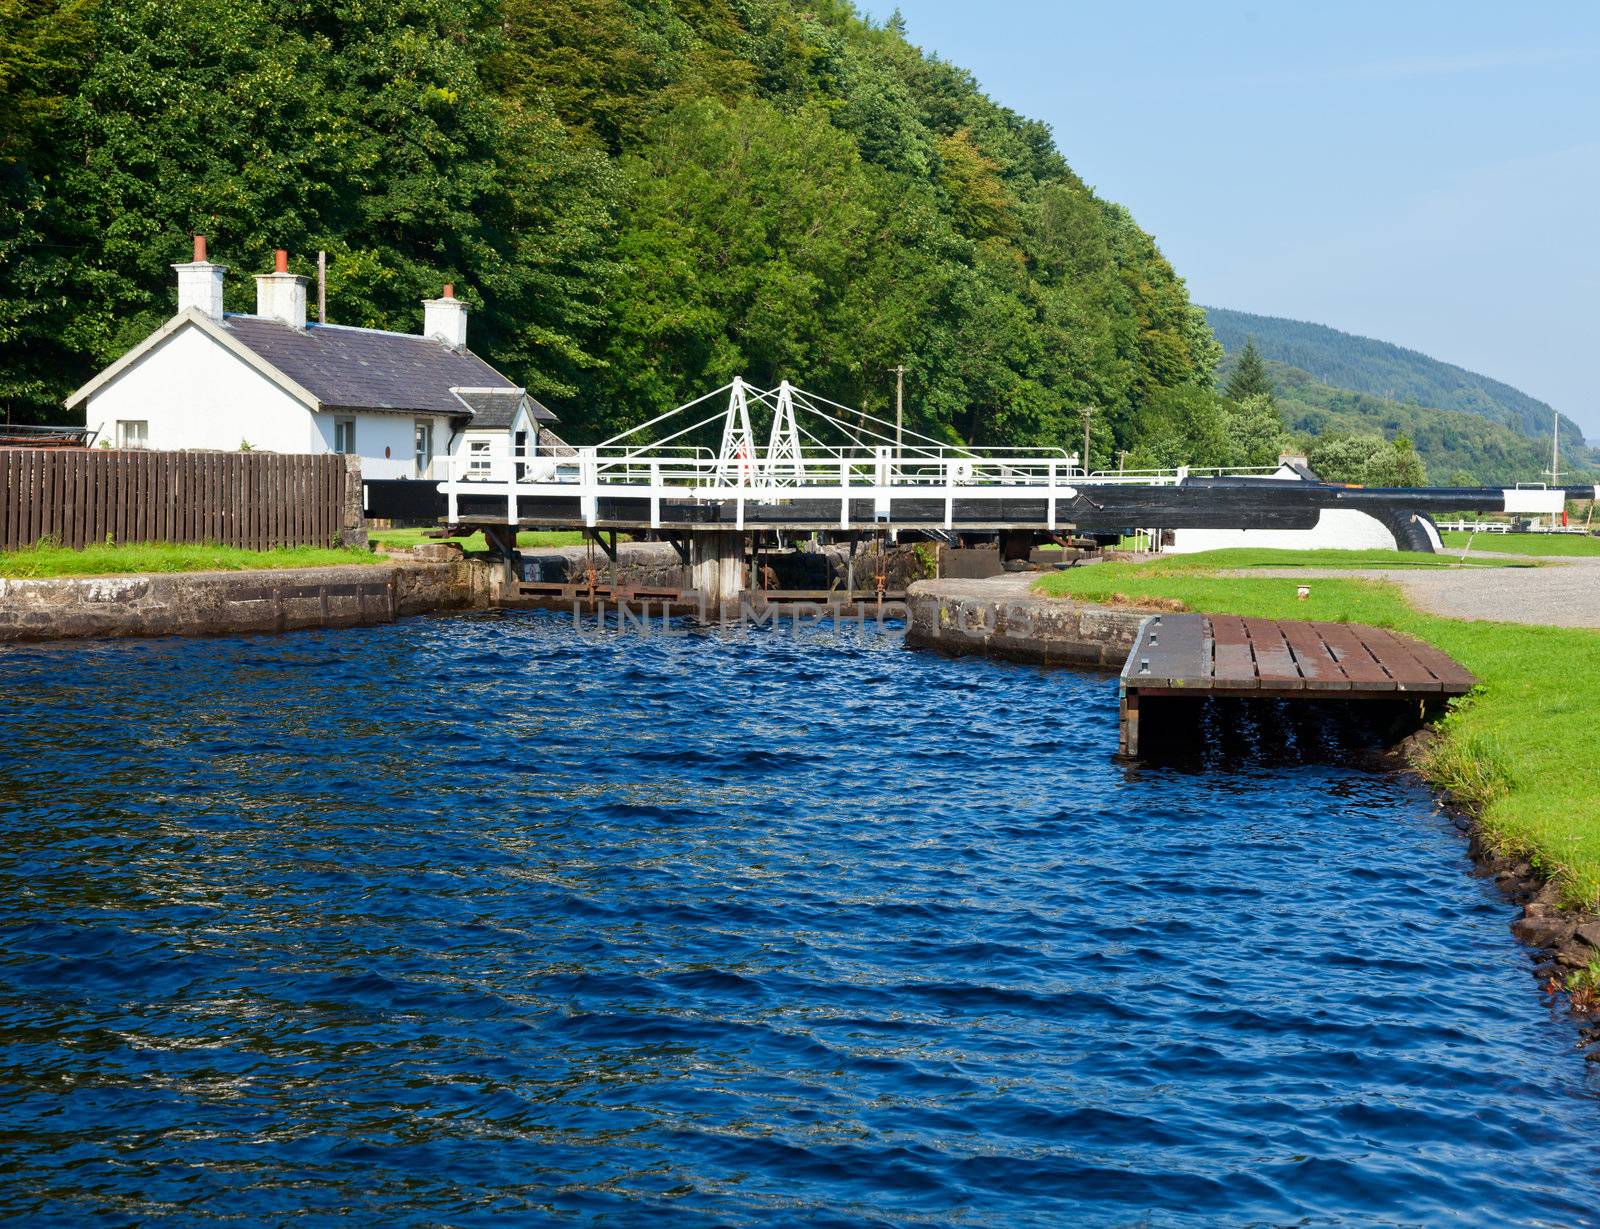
1548 545
475 542
46 560
1524 749
1261 557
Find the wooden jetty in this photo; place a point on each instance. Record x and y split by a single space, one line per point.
1196 656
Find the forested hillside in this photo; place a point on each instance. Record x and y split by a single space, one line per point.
640 198
1458 448
1401 384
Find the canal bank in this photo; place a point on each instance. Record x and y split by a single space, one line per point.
236 603
1002 617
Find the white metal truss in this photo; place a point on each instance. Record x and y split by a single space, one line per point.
736 459
785 465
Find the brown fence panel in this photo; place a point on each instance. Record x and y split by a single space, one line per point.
254 500
69 499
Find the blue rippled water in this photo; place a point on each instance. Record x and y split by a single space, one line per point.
462 921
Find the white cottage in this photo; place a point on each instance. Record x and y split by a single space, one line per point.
277 383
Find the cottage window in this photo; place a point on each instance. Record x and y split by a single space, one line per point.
344 435
133 433
478 453
424 446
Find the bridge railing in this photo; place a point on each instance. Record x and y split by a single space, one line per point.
845 475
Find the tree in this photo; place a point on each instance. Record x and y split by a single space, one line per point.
1343 458
1367 460
1185 426
41 63
743 227
1249 378
1395 464
1256 431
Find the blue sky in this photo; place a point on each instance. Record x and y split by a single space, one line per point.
1424 173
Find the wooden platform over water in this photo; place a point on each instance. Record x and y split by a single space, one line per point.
1225 655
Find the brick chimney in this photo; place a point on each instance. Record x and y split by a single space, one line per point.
200 282
445 318
281 295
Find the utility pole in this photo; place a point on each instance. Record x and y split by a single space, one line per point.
1555 457
1088 413
322 287
1122 460
899 407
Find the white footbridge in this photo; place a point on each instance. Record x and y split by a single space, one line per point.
870 471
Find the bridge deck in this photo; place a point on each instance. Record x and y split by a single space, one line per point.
1225 655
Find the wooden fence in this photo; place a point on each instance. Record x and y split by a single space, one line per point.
255 500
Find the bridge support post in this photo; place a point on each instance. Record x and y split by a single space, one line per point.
716 561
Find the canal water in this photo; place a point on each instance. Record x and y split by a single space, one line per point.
453 922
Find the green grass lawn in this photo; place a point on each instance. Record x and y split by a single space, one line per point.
1544 544
1261 557
1138 541
475 542
1524 747
42 561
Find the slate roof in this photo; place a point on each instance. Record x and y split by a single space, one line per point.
367 369
497 407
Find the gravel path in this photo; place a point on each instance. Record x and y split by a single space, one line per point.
1567 595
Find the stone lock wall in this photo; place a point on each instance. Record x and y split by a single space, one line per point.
978 617
234 603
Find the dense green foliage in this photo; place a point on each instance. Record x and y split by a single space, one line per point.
1377 380
1368 460
640 198
364 129
1197 428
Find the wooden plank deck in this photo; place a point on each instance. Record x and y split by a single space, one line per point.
1225 655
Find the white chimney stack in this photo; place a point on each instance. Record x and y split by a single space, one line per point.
200 282
281 295
445 319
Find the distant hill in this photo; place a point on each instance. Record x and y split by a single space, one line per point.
1340 382
1459 449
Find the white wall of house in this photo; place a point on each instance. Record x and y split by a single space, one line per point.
501 437
385 442
486 453
483 443
193 393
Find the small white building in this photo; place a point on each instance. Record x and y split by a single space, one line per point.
274 382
